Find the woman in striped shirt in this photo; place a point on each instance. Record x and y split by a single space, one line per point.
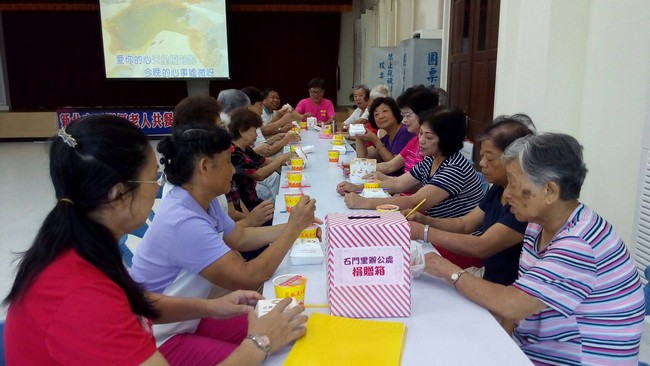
578 299
444 177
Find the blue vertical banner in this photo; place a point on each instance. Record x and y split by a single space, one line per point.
421 62
386 69
152 121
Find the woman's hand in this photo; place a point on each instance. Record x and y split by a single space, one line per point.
233 304
286 157
303 213
291 136
369 136
281 325
261 214
376 176
353 200
345 187
438 266
415 216
417 230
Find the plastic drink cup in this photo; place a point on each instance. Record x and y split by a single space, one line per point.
290 285
372 184
294 179
387 208
333 156
297 164
310 232
291 199
327 129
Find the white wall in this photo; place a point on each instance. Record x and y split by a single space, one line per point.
582 67
346 59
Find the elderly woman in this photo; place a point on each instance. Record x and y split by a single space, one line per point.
578 299
361 95
499 244
444 177
250 167
385 115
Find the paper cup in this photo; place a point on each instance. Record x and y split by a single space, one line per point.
338 143
303 125
372 184
294 179
327 129
297 164
291 199
290 285
295 129
309 232
338 137
387 208
333 156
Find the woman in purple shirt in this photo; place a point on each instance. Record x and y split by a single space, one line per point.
385 115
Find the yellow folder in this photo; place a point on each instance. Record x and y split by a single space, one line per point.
333 340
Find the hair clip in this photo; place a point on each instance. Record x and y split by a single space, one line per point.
67 138
165 161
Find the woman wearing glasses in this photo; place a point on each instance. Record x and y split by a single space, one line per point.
385 115
316 105
412 103
193 245
73 302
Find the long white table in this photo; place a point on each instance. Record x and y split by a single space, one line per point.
444 329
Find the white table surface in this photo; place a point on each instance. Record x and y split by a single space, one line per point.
444 329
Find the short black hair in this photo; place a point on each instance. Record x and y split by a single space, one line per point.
186 144
316 83
196 109
449 125
390 103
268 91
253 94
418 98
243 119
505 133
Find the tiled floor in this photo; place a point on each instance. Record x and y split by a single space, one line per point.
26 196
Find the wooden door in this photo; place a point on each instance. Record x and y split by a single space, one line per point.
472 61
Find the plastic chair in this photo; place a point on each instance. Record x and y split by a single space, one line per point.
132 239
2 343
484 183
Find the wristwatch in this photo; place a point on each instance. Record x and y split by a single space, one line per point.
456 275
262 342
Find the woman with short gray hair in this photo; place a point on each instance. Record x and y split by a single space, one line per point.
578 299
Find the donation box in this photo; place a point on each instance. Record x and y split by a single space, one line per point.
368 267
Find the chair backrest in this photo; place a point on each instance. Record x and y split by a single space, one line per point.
484 183
646 291
2 343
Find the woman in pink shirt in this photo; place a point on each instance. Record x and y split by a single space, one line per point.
316 105
412 102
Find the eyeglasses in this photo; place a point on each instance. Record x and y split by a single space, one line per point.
406 114
160 182
315 91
